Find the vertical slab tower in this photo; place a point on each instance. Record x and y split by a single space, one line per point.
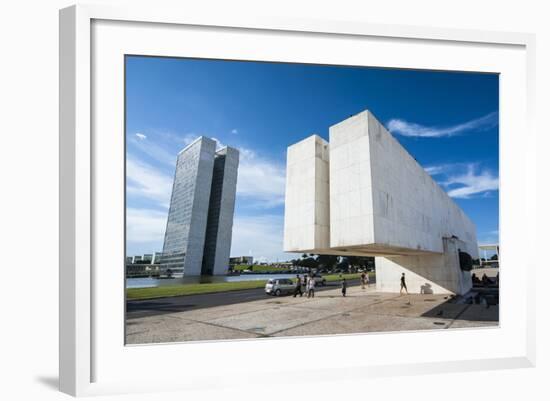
200 219
219 227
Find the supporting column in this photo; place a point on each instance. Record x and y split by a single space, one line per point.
425 274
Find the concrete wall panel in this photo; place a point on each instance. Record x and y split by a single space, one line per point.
428 274
307 196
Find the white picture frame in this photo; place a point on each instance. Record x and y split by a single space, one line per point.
90 354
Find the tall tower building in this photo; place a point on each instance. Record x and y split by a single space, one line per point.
200 220
217 244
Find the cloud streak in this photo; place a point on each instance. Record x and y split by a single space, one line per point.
410 129
465 180
260 180
148 182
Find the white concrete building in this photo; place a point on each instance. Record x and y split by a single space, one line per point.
363 194
307 221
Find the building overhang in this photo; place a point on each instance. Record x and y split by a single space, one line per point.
366 250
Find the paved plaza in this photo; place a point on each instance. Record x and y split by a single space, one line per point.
362 311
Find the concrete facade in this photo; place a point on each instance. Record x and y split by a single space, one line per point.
425 274
196 221
307 220
380 202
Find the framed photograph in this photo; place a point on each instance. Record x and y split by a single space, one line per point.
265 192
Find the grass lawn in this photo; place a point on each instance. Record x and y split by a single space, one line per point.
351 276
258 268
208 288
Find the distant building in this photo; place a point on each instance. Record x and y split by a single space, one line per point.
156 257
142 270
241 260
197 240
141 266
493 261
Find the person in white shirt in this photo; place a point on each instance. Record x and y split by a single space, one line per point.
311 287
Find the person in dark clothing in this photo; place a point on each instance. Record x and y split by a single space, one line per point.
298 287
344 287
403 285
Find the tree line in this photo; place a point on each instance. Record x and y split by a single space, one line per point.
330 262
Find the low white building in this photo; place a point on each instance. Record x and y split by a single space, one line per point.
363 194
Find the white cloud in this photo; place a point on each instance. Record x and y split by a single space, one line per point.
145 225
406 128
166 146
234 131
261 236
219 144
472 183
188 138
435 170
155 151
260 180
465 180
147 181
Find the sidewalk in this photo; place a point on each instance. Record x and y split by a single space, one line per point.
361 311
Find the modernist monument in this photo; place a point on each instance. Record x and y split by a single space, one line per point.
363 194
200 220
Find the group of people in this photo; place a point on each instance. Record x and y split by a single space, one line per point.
305 284
485 280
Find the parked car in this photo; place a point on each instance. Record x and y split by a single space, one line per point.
279 286
319 280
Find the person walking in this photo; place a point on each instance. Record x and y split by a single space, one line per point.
367 279
403 285
298 287
311 287
363 280
344 287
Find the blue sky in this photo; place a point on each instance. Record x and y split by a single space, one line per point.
447 120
